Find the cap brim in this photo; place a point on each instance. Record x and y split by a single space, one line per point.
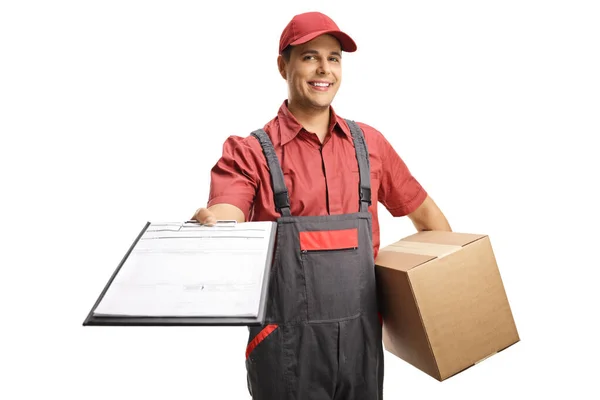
346 41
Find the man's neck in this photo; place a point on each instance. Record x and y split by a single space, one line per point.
313 120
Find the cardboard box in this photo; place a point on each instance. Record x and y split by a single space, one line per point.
443 301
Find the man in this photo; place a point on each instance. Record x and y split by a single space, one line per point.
320 177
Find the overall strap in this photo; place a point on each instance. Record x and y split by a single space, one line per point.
282 200
362 156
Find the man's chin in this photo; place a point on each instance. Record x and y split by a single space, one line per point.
321 105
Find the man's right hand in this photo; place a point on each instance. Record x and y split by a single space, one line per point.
218 212
205 217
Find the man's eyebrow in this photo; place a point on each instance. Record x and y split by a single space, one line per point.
311 51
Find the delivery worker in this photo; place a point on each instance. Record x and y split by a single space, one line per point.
320 177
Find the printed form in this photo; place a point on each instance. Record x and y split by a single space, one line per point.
187 269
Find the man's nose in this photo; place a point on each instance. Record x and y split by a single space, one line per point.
324 67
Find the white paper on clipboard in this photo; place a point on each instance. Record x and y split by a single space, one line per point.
187 269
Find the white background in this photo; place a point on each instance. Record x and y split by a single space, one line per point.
112 113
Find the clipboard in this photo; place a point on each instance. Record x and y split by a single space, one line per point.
102 319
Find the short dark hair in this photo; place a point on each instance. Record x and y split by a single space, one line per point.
286 53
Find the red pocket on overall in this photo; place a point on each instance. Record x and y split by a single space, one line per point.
329 240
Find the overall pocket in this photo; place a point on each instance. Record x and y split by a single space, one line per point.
264 362
259 335
334 279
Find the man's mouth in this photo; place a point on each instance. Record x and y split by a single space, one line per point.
320 85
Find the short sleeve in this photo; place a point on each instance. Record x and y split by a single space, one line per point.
234 179
399 190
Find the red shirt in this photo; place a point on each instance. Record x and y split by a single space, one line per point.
321 179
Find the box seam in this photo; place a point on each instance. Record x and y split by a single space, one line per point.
412 291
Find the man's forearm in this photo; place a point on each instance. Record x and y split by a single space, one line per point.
433 222
429 217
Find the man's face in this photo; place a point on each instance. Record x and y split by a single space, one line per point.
313 73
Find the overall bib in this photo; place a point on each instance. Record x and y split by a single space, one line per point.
322 335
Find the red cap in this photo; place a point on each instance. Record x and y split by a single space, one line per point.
305 27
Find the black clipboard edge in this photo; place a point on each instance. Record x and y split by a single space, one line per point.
93 320
89 319
262 311
172 321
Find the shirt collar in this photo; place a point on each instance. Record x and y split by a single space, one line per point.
289 127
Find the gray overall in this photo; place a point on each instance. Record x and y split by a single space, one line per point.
322 335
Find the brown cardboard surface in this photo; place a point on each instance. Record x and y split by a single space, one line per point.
400 261
443 237
404 334
423 248
443 314
463 307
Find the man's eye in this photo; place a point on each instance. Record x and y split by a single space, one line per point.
334 59
309 57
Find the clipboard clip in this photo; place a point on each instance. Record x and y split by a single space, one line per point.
220 222
225 222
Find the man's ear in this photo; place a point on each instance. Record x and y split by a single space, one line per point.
281 64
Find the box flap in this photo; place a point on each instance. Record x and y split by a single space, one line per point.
402 261
443 237
403 331
422 248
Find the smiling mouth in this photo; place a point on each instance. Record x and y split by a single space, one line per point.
320 84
